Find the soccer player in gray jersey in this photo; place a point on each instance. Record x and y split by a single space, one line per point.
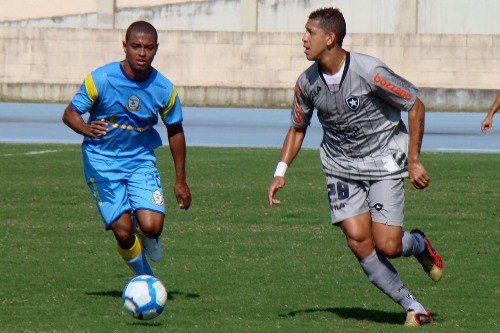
366 153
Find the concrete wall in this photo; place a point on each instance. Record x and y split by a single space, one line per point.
248 52
245 69
363 16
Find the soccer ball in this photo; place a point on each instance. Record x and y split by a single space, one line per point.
144 297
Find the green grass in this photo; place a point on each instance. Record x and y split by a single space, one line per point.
232 263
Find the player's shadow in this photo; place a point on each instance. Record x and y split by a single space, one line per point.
109 293
171 295
174 294
376 316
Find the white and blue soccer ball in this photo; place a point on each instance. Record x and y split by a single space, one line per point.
144 297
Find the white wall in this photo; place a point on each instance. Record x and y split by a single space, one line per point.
204 51
362 16
243 69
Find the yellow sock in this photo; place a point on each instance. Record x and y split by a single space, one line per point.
131 253
135 258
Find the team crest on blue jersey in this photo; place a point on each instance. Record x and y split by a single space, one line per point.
157 198
134 103
352 102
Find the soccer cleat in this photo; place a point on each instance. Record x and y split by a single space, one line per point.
152 246
430 260
417 319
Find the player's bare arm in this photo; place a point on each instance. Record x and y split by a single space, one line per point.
96 129
487 123
290 149
416 119
177 143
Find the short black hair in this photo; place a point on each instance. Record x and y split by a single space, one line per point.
141 27
330 20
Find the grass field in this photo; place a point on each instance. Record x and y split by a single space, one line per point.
234 264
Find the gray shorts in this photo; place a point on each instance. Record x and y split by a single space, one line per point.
384 199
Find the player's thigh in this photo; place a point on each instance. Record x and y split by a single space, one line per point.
386 199
347 198
110 198
145 191
387 239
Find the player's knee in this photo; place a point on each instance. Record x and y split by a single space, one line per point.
152 227
360 249
124 237
390 249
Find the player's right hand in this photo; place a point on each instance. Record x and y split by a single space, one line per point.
278 183
98 129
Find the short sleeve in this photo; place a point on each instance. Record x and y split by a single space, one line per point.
392 88
86 96
302 108
172 113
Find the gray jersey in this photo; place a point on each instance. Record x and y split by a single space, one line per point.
363 135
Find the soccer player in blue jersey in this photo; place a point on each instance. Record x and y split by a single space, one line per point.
124 100
366 153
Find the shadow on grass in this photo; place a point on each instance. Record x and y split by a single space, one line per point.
145 323
358 314
109 293
171 295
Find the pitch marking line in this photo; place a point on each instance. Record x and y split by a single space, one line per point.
39 152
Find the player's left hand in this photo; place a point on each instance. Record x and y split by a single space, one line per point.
487 124
418 175
182 194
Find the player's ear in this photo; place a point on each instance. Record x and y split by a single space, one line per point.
124 44
331 39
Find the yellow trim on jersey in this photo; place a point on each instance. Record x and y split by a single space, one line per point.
166 109
91 89
131 253
95 192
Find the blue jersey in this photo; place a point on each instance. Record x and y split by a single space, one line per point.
131 108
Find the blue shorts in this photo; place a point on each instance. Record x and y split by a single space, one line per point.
137 188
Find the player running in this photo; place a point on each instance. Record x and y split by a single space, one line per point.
124 101
365 154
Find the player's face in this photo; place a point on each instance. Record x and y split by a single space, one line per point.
314 40
140 51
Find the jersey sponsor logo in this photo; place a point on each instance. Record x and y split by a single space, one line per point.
346 132
392 87
352 102
133 103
